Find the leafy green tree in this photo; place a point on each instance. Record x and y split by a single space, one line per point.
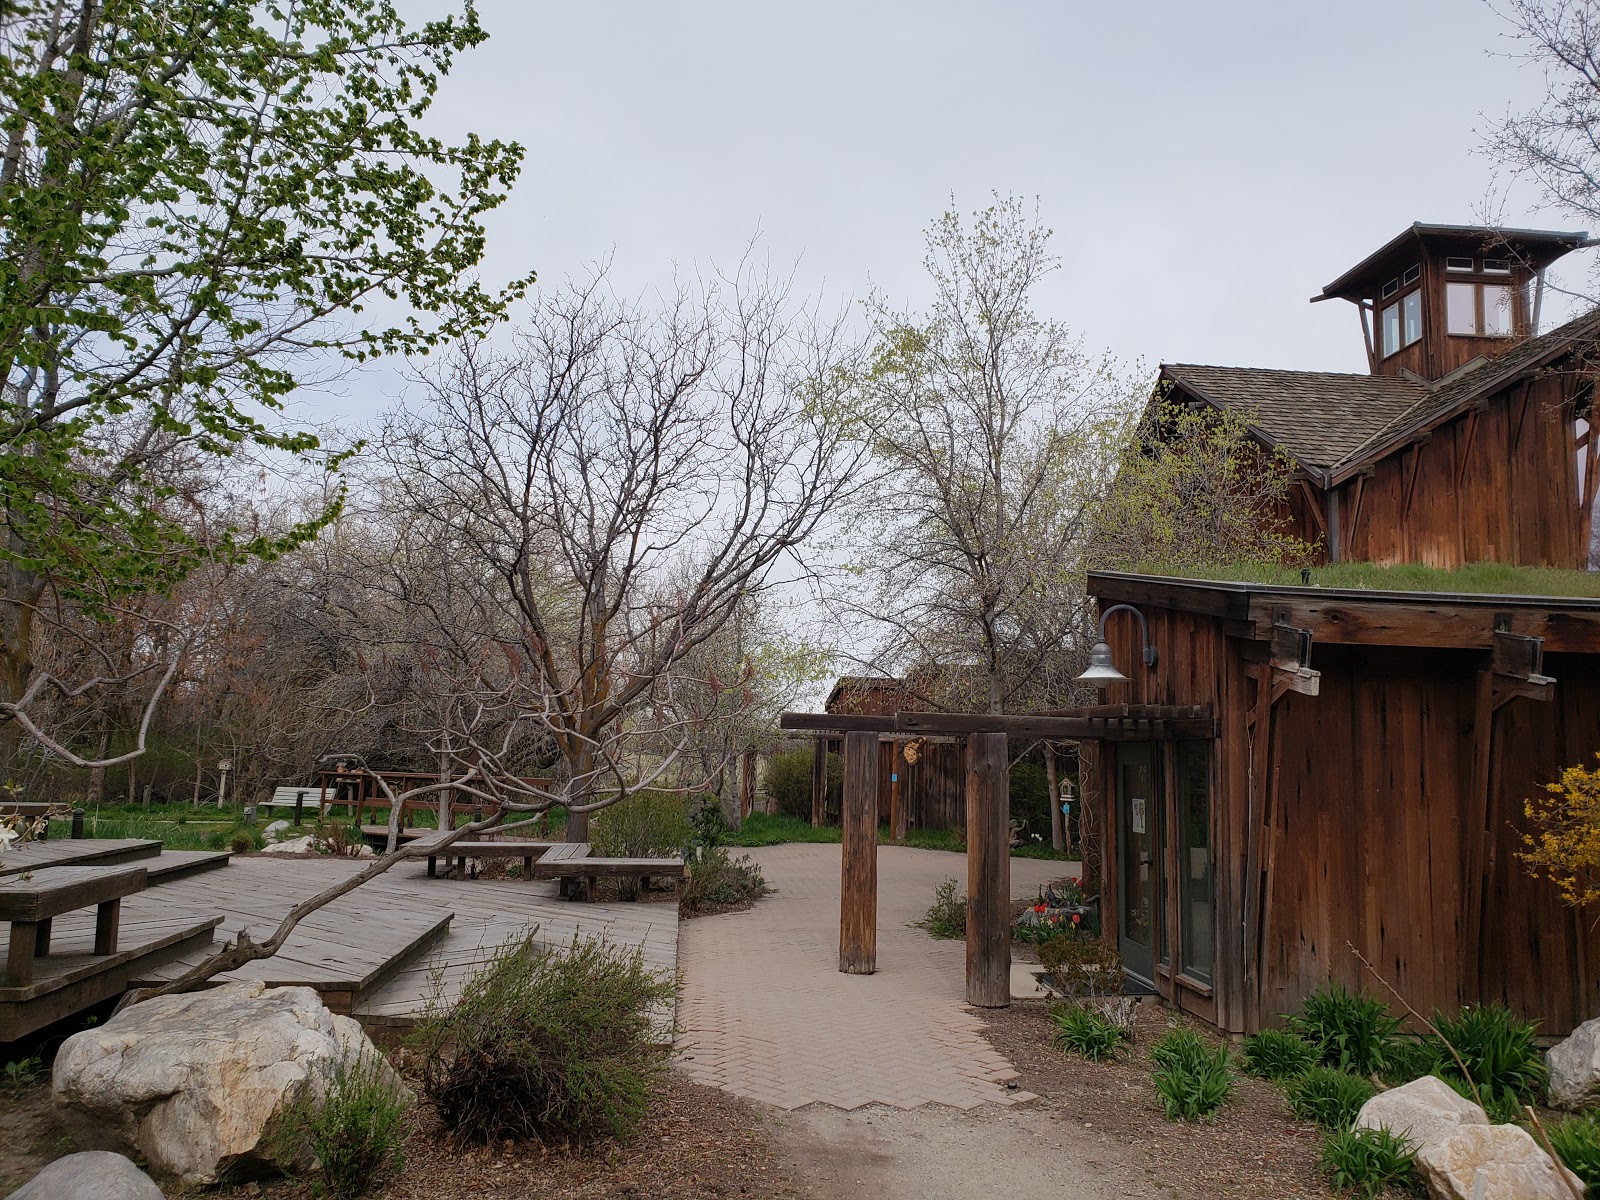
201 202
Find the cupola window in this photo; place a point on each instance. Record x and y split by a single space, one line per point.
1478 309
1401 320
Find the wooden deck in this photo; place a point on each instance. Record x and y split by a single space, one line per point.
381 948
69 852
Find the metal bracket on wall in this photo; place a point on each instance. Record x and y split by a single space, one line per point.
1291 659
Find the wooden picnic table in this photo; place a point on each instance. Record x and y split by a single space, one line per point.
30 904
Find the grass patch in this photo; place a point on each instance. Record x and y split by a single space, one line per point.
1349 1029
769 829
1330 1097
1367 1161
1275 1054
1499 1052
1577 1143
356 1130
1191 1079
1087 1032
1480 578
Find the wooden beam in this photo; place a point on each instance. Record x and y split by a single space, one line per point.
1458 622
1411 479
988 872
858 884
1468 444
1355 509
837 723
1146 721
1314 507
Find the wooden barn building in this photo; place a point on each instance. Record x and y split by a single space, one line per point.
1362 795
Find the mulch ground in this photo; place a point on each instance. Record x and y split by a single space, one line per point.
1253 1148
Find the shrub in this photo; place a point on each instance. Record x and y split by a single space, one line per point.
1368 1161
242 843
1349 1030
1275 1054
1577 1144
1029 793
1499 1052
1191 1079
714 881
1330 1097
545 1043
356 1129
1086 1031
1082 966
947 916
646 824
788 783
1405 1059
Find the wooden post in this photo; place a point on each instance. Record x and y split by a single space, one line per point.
747 783
858 885
819 779
897 769
988 872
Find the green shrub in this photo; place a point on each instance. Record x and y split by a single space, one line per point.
645 825
1086 1031
545 1043
1349 1030
242 843
947 916
788 783
356 1130
1577 1144
1328 1096
1405 1059
1275 1054
714 881
1191 1079
1499 1052
1082 966
1368 1161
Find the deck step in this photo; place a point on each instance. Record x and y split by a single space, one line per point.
180 864
72 979
78 852
345 951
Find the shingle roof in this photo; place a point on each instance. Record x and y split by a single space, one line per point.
1316 417
1336 422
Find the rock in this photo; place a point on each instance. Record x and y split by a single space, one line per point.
1574 1066
95 1173
199 1085
1514 1166
299 845
1421 1111
275 830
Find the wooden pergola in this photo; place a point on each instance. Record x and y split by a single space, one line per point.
988 814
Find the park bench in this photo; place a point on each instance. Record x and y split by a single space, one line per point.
580 864
31 904
297 798
32 812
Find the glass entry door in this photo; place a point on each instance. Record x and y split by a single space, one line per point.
1138 830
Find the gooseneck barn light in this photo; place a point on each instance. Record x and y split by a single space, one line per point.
1102 671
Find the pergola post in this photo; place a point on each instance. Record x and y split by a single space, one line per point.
988 871
819 778
858 885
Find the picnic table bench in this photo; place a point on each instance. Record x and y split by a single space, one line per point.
30 904
556 860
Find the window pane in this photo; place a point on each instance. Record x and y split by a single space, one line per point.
1458 264
1391 329
1194 863
1411 276
1497 310
1496 266
1459 305
1412 306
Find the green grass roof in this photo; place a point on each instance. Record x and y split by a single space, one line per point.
1500 579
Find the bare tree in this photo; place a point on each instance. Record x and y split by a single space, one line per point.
994 432
611 489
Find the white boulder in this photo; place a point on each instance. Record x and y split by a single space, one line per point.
299 845
1575 1067
1420 1111
1513 1166
200 1085
96 1173
275 830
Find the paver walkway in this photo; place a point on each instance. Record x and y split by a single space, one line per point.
766 1014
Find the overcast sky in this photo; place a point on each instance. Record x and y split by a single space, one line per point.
1206 167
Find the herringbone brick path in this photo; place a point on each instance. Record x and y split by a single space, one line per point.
765 1013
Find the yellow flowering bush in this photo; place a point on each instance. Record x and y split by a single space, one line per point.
1565 845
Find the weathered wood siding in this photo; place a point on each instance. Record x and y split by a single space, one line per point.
1342 820
1494 484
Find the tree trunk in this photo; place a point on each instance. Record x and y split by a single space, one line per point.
19 590
446 798
97 775
1058 830
579 793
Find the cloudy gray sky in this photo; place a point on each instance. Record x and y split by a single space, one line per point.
1207 167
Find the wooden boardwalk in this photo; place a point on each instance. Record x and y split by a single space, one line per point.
381 949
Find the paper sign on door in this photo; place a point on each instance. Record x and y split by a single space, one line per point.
1137 803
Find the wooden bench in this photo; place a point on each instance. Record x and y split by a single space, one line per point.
33 812
587 867
528 852
297 798
30 904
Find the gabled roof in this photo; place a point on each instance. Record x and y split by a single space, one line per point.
1333 424
1318 418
